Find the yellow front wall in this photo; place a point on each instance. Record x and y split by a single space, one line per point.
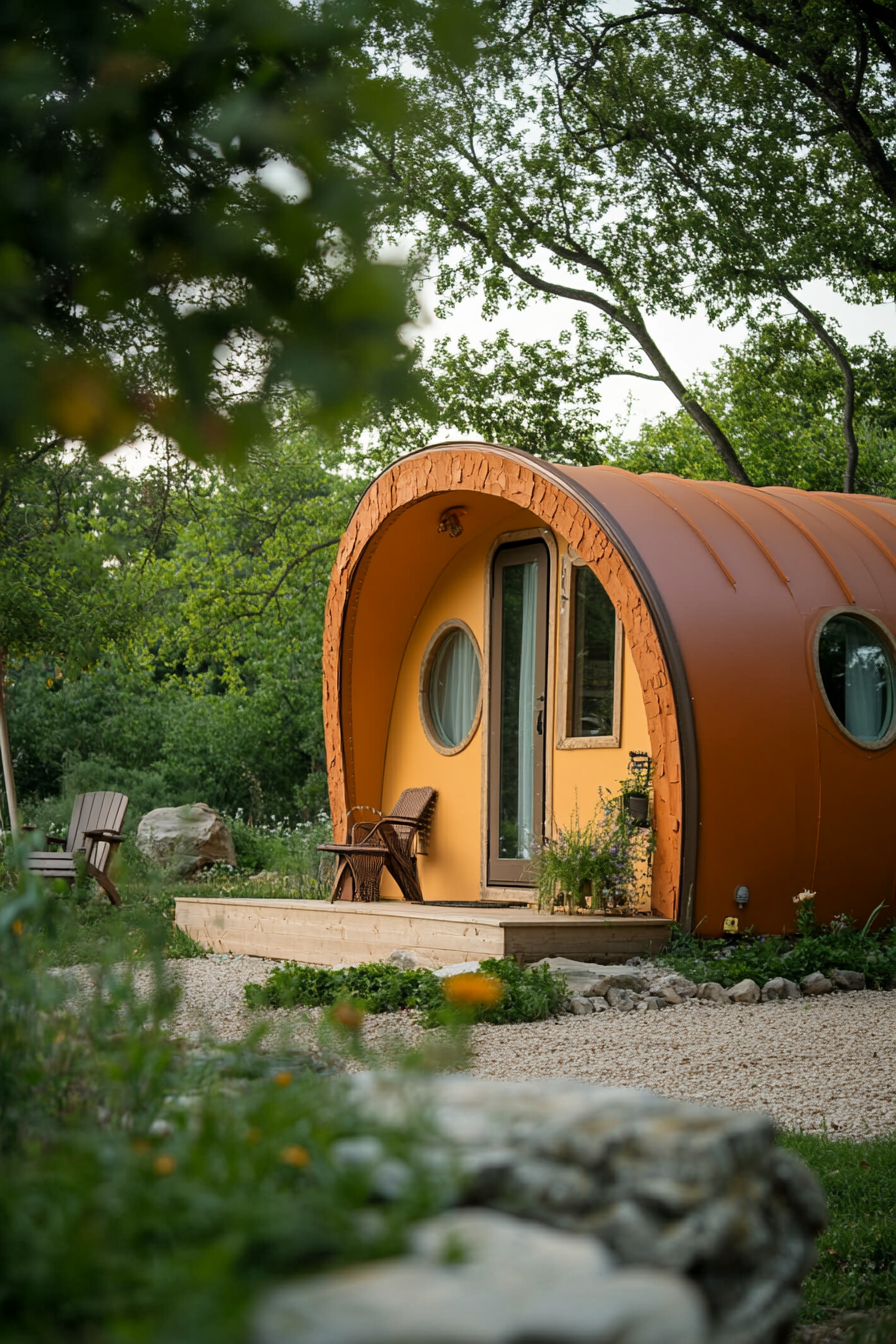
452 870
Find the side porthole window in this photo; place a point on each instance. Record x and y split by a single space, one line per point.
451 687
592 658
854 662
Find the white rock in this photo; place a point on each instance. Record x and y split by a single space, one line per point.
581 1005
583 978
816 983
779 988
688 1189
620 998
405 959
850 980
363 1151
713 992
683 987
459 968
479 1277
185 839
392 1179
745 991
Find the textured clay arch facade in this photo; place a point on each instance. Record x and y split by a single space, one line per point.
489 471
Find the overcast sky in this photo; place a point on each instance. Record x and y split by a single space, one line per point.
690 345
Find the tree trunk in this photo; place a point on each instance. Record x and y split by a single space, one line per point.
847 373
9 783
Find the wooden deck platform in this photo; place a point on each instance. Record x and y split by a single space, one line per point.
319 933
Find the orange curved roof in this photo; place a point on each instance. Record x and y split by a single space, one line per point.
777 798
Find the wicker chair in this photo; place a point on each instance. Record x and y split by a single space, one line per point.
95 829
392 842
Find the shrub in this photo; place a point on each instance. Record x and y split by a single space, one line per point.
758 957
528 995
150 1191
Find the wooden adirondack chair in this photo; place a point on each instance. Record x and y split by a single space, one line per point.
392 843
95 829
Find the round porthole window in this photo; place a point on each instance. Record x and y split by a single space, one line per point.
854 662
451 687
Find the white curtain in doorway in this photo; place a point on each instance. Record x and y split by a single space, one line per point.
526 767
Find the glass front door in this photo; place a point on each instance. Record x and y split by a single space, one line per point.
517 711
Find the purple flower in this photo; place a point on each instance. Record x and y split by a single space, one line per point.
614 850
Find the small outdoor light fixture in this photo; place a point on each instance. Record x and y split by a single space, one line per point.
742 895
450 522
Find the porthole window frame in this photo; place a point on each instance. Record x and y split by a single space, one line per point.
426 665
889 643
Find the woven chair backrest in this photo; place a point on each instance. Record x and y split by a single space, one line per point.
415 804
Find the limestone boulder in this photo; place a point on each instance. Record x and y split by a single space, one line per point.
678 984
745 991
703 1195
621 998
185 839
713 992
584 978
405 958
474 1276
779 988
816 983
849 980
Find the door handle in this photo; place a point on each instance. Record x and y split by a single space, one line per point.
539 724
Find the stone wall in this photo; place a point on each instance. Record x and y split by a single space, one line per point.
669 1222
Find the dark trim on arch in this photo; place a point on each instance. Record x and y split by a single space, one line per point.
684 712
687 733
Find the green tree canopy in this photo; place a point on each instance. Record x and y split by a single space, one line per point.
177 242
644 161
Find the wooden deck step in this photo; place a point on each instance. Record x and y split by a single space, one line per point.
322 934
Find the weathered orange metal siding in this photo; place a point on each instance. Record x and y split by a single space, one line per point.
786 800
720 589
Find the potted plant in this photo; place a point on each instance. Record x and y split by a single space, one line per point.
598 866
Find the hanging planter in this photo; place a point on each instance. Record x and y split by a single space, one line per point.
638 807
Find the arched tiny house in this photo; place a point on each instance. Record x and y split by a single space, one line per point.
508 631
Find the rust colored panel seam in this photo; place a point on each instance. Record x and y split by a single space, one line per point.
864 502
668 501
863 527
804 532
757 541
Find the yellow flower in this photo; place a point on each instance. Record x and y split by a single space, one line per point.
295 1156
347 1016
473 990
283 1079
17 927
164 1164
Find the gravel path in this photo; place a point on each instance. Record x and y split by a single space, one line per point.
823 1065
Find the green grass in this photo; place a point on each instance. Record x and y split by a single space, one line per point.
856 1269
88 926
